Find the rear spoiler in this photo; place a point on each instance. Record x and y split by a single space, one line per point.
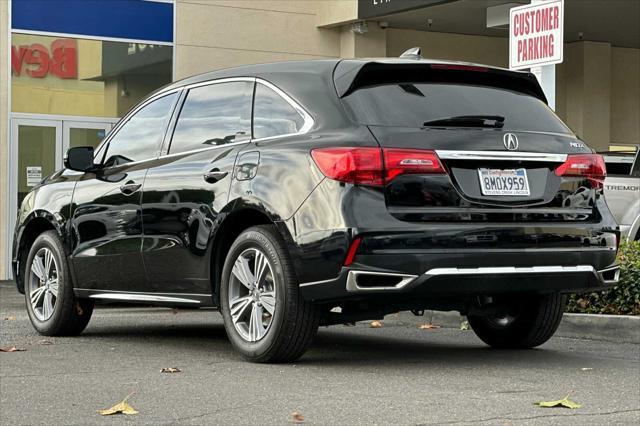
350 75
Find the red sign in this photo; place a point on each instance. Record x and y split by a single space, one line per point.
36 61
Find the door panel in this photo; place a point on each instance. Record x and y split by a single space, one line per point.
185 191
106 231
179 208
107 221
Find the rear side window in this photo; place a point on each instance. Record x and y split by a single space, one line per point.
618 168
413 104
273 115
140 137
215 114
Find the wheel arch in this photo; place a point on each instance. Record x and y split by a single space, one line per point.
37 223
243 215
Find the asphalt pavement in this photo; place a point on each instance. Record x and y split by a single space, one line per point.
397 374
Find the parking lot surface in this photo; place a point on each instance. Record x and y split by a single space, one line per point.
397 374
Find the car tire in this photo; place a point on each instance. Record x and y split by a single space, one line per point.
533 320
51 304
266 318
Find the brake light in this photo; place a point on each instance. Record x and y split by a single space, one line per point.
459 67
374 166
590 166
410 161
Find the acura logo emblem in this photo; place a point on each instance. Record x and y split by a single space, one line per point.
510 141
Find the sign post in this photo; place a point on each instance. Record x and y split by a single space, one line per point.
536 40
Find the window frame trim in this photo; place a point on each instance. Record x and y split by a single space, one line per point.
309 121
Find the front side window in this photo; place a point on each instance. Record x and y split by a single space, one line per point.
274 116
215 114
140 137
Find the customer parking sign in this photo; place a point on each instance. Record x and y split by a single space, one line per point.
536 34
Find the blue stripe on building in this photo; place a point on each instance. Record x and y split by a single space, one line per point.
128 19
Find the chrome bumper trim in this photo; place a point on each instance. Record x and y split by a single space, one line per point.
500 155
499 270
607 276
614 270
352 280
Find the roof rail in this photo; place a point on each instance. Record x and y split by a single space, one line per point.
413 53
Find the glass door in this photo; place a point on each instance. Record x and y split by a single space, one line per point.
36 153
84 133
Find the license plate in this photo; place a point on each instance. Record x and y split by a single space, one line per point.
504 182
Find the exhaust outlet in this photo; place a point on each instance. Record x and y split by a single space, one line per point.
377 281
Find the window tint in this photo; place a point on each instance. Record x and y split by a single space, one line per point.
618 168
216 114
412 104
272 115
140 137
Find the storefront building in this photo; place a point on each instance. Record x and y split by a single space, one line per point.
69 69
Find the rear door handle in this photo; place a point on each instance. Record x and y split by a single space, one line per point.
130 187
214 175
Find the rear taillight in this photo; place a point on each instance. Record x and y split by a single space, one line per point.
351 165
590 166
374 166
410 161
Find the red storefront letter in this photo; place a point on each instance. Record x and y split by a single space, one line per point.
17 56
37 55
64 59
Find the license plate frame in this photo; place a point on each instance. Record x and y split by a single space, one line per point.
504 182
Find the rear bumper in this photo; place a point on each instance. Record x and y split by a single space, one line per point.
361 283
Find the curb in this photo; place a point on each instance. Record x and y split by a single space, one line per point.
608 328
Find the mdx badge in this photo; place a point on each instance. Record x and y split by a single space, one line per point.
510 141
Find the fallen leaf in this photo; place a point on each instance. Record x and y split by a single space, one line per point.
174 311
45 342
564 402
464 325
375 324
171 370
428 326
10 318
12 349
121 407
297 417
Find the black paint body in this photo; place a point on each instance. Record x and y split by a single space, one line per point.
171 235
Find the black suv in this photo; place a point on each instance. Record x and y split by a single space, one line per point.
299 194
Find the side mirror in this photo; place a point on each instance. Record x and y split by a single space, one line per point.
79 159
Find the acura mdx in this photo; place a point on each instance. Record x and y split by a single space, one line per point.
298 194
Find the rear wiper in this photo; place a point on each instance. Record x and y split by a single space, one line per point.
495 121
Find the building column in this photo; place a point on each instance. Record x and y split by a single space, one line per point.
369 44
5 81
586 72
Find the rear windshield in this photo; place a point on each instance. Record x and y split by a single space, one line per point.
413 104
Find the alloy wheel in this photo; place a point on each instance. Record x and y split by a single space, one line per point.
43 284
252 294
